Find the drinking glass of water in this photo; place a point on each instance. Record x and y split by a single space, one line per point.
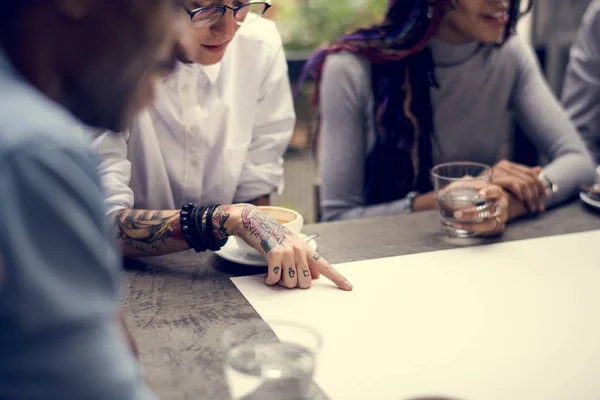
275 361
457 186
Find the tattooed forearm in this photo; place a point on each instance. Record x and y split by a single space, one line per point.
264 227
145 226
145 232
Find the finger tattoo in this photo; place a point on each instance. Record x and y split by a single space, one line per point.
276 270
316 256
306 272
291 272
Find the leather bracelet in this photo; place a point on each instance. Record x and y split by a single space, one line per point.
214 244
197 232
200 228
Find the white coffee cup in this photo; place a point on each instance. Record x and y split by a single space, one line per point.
286 217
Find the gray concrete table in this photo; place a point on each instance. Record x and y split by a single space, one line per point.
177 306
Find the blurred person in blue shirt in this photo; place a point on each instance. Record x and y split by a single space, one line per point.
65 63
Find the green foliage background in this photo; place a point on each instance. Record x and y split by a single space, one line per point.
307 24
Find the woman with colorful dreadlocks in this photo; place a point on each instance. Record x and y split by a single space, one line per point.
438 81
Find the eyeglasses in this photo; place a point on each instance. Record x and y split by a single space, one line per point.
243 14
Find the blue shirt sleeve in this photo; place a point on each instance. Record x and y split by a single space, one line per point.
59 282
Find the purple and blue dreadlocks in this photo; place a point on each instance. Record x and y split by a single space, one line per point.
402 73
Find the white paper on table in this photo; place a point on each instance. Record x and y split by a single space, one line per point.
515 320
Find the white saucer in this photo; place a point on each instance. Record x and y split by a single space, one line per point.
232 252
588 200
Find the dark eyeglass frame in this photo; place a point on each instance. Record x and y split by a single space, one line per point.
223 9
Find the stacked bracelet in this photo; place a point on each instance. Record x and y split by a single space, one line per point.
212 243
198 233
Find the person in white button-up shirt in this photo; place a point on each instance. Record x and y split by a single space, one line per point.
215 135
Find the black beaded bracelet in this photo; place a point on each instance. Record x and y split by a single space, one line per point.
187 219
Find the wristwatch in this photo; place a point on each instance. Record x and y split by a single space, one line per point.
551 188
411 196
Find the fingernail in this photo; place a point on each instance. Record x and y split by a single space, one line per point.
458 214
347 285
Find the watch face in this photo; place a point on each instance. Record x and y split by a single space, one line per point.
411 196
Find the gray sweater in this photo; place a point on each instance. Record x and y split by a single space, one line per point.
481 89
581 90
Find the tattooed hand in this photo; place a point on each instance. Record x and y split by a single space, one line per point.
270 233
291 261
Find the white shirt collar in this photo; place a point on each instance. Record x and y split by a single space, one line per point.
211 72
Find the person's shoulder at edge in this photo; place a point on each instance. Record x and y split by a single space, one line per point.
586 46
348 71
346 62
28 117
592 15
518 56
517 49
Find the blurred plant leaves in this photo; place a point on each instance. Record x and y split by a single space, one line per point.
308 24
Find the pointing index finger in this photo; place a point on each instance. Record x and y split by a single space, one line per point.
320 265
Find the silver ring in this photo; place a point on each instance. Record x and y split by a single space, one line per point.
483 212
